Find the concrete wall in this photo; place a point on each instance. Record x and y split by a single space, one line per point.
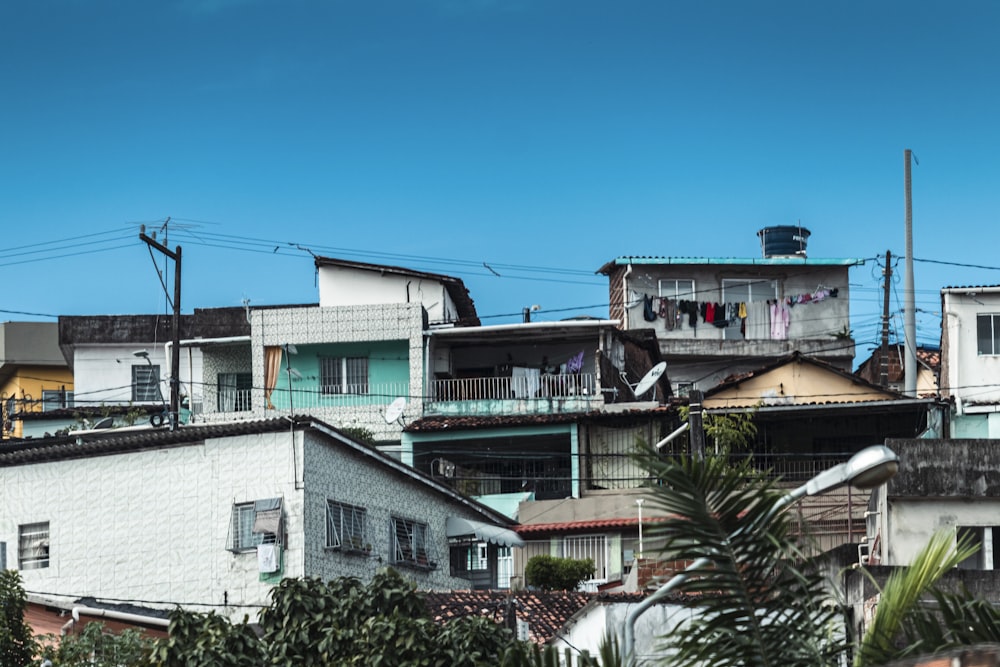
807 321
343 286
103 373
345 324
153 525
966 374
342 476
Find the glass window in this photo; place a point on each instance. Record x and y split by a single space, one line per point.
409 542
33 546
988 333
343 375
345 527
55 399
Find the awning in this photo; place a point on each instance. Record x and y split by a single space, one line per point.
457 527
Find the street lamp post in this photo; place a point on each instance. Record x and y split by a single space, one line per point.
869 468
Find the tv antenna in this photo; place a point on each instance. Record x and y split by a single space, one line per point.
394 411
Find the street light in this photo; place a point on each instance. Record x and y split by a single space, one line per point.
867 469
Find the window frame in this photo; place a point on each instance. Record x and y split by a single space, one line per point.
357 540
241 387
147 391
34 536
336 375
414 549
675 292
52 399
993 336
243 520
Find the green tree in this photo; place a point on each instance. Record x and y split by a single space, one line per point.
17 643
552 573
95 647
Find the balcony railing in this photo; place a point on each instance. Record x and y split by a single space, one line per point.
310 399
516 388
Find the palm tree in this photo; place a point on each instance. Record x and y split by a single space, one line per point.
759 601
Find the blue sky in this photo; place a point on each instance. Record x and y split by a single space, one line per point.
541 137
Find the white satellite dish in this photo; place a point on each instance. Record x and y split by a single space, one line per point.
649 379
395 410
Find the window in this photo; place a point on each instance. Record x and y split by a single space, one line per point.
984 537
255 523
234 391
988 333
343 375
33 546
146 383
737 290
56 399
345 527
684 389
410 543
677 289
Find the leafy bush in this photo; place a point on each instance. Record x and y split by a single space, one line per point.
557 574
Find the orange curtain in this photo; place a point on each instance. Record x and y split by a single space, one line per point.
272 366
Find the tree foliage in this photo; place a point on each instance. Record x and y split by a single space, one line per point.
95 647
17 643
552 573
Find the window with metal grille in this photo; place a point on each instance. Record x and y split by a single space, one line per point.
988 333
33 546
146 383
55 399
343 375
255 523
346 527
410 543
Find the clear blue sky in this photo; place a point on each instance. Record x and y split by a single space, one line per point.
541 137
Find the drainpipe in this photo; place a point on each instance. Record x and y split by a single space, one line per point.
670 438
628 272
113 615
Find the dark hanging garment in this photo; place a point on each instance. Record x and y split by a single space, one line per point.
648 313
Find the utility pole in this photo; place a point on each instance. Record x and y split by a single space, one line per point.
175 348
883 362
909 294
697 427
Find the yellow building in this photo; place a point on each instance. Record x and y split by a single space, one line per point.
34 375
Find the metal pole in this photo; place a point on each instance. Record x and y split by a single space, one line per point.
909 296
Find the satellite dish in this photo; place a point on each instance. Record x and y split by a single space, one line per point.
649 379
395 410
107 422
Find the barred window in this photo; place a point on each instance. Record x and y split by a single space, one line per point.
33 546
346 527
258 522
146 383
410 543
343 375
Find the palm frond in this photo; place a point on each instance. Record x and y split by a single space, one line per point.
898 607
757 606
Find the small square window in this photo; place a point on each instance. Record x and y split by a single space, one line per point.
33 546
255 523
146 383
988 333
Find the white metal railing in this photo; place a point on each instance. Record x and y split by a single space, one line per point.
304 399
577 385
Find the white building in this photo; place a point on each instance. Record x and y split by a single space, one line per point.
216 514
970 359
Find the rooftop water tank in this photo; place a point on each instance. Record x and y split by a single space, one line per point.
784 241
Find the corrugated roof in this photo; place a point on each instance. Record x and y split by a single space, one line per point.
592 524
730 261
451 423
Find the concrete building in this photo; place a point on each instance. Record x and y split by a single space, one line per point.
34 377
217 514
970 359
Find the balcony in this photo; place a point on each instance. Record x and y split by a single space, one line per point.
363 401
504 395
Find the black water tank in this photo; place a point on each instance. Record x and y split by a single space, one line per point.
784 241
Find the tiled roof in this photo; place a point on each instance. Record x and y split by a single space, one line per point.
592 524
444 423
546 612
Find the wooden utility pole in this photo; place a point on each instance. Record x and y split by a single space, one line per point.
883 362
175 348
